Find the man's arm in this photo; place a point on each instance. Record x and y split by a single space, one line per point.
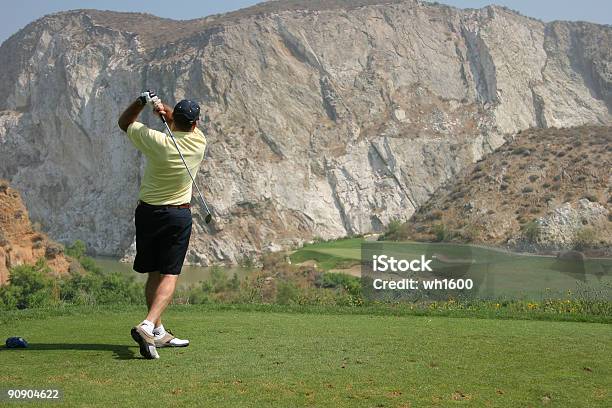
130 114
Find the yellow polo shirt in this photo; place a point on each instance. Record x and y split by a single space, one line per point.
166 181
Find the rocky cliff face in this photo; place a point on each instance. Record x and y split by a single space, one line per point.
323 118
21 242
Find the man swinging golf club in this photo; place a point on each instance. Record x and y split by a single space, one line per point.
163 216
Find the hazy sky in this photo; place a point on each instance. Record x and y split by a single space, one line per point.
17 14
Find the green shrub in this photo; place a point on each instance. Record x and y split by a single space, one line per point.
286 293
247 262
442 233
349 283
90 265
531 232
76 250
393 227
218 279
397 231
29 287
234 283
100 288
585 238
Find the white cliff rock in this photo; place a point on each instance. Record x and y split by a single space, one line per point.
301 111
560 228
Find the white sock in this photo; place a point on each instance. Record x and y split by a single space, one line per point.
147 326
159 331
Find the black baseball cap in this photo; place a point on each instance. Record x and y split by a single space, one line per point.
188 110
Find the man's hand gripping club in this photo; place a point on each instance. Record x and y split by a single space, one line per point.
149 97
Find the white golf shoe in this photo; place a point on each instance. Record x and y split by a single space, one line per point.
146 342
167 339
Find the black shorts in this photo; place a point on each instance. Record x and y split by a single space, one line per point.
162 238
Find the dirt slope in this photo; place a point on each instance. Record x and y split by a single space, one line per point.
535 187
20 242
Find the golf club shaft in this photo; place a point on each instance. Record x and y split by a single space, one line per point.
185 163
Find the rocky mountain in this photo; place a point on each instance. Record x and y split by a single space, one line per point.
324 118
547 189
20 241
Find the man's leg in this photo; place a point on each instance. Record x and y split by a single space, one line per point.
158 291
150 290
162 297
162 337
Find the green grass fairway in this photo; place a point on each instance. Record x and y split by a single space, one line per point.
502 273
248 358
330 255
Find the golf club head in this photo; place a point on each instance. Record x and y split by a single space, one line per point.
208 218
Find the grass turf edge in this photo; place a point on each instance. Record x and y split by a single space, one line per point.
376 310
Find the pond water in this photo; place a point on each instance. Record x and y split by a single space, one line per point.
189 275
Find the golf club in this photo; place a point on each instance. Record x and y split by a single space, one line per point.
208 217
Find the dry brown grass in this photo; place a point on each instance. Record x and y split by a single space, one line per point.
523 180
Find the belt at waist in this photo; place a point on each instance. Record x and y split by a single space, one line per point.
147 205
